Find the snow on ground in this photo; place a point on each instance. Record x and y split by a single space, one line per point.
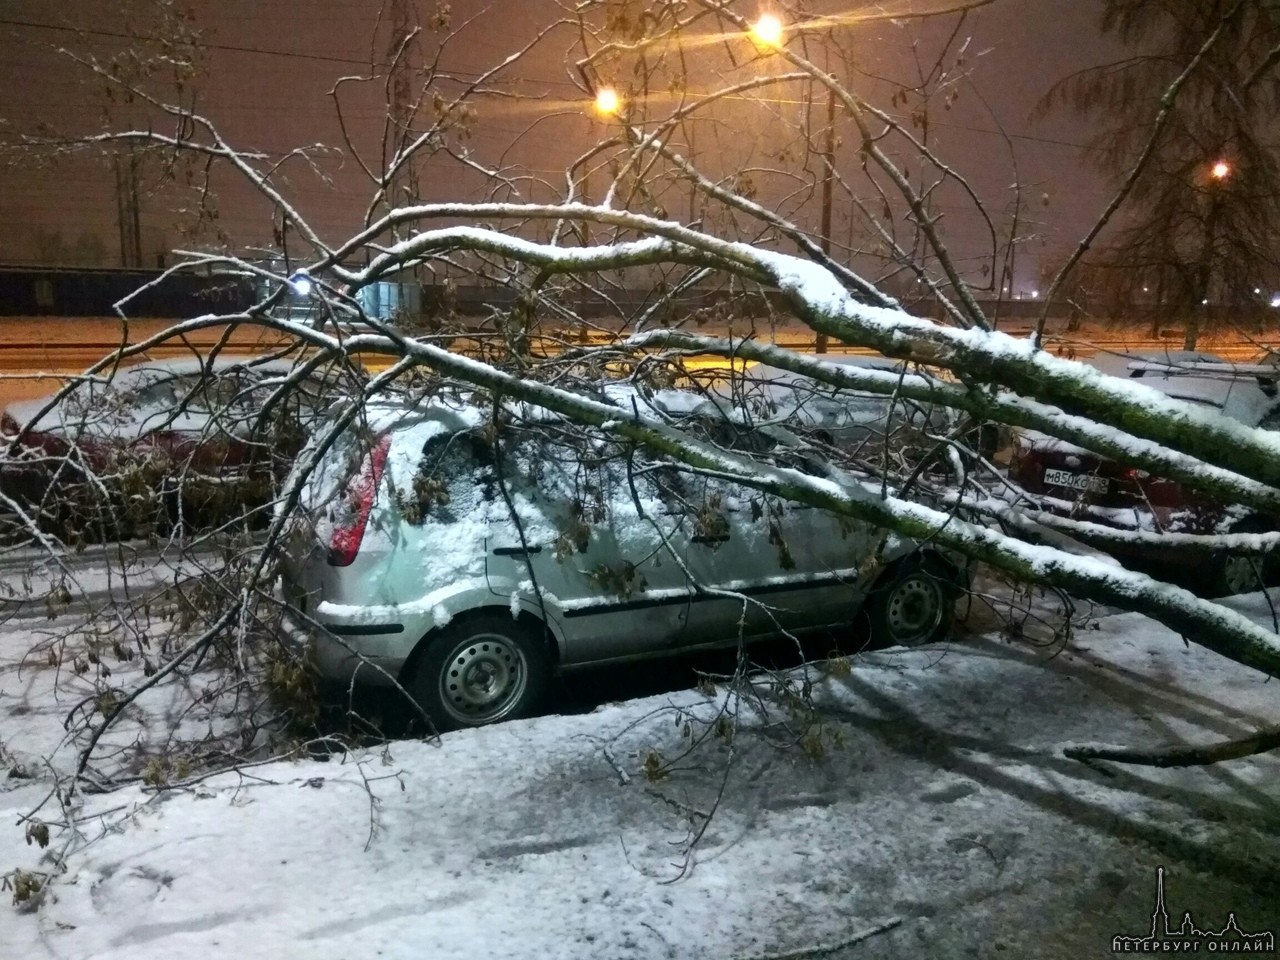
932 805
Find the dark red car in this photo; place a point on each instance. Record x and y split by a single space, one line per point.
160 441
1072 482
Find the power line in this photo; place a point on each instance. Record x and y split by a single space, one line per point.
324 58
233 48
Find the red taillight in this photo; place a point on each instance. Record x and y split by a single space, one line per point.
348 531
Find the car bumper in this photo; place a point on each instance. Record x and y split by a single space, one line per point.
347 652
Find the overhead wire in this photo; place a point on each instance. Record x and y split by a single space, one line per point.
464 74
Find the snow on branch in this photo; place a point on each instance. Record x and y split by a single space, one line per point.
984 357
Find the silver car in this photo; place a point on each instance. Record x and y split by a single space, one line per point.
469 564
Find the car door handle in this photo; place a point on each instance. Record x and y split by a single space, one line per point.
517 551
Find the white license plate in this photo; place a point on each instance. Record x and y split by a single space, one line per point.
1077 481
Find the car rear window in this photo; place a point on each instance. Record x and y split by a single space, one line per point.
454 476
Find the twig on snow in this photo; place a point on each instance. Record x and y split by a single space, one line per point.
624 778
826 949
1193 756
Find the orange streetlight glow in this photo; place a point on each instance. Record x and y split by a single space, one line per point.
608 102
1220 170
767 31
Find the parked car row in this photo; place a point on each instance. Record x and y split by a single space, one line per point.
467 563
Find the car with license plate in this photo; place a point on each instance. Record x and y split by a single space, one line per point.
1072 482
467 561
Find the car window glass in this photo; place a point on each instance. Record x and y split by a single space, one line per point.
135 392
215 392
455 476
195 392
303 400
724 433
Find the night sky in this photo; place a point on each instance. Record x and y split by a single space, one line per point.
268 69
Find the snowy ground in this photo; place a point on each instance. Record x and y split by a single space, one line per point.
932 805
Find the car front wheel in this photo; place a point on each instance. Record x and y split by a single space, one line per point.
481 669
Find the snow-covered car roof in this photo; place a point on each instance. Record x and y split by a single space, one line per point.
783 396
763 372
1237 391
1118 363
189 365
1198 377
82 407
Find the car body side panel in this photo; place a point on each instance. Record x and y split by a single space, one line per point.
610 581
790 564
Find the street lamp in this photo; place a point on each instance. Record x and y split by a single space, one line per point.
767 31
1213 194
608 102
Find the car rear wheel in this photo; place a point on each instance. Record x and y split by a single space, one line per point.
480 670
1234 573
912 603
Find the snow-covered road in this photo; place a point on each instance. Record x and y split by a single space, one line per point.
929 809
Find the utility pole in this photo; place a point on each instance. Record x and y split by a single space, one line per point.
128 212
403 187
828 174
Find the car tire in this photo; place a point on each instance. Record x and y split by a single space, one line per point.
912 603
481 669
1231 574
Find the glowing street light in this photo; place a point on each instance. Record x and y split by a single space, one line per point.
300 284
608 102
767 31
1220 170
